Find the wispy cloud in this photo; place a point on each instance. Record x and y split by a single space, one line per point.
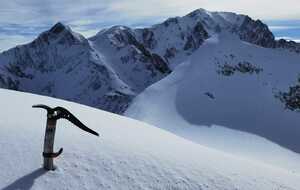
36 12
284 27
26 19
7 41
288 38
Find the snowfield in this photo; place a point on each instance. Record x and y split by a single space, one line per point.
196 100
128 154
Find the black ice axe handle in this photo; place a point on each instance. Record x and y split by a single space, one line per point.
62 113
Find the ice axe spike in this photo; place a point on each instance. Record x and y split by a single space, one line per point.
54 114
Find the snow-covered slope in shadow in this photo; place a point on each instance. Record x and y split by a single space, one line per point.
128 155
229 83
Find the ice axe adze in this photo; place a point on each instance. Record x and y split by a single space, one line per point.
53 114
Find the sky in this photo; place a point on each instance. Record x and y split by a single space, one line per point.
22 20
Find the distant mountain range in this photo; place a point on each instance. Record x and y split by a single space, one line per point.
109 69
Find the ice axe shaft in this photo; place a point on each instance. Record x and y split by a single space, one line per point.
49 144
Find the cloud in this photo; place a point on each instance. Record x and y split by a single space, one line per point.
287 29
9 41
284 27
288 38
26 19
50 11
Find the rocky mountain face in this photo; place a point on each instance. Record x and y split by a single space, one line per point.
109 69
63 64
258 33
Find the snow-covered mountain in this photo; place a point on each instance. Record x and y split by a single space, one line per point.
177 38
109 69
228 82
128 155
61 63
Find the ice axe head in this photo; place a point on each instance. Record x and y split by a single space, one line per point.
62 113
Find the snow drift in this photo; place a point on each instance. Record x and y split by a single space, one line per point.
128 155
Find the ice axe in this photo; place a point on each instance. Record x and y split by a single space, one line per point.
54 114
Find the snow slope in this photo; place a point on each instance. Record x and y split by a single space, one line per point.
128 155
205 93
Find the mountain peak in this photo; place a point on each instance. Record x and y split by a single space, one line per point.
61 33
199 11
113 30
58 28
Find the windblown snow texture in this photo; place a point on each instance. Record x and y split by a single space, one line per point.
128 155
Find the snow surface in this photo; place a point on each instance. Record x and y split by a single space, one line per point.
245 102
128 155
